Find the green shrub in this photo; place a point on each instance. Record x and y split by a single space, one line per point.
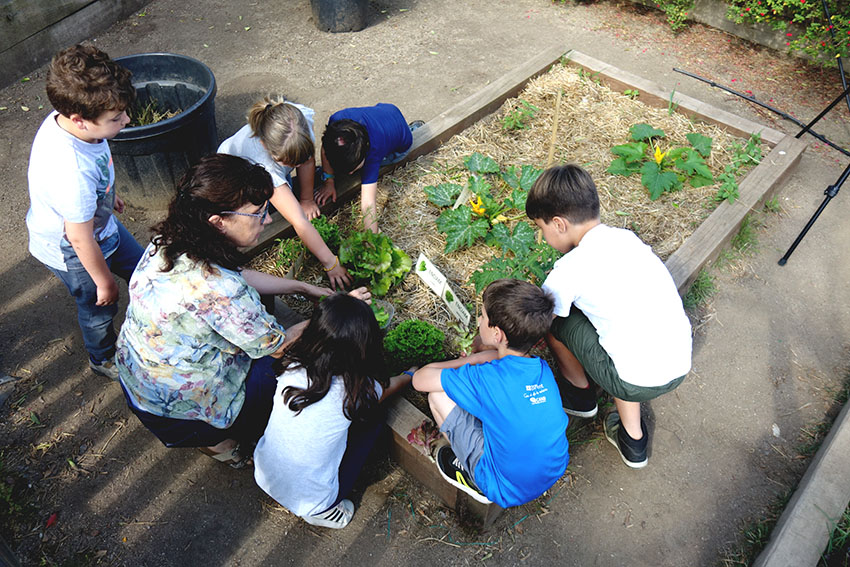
677 12
413 343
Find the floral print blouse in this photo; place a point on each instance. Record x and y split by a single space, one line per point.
187 342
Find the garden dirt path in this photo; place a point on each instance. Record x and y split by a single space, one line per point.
770 347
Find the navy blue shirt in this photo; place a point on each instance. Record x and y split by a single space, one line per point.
388 134
519 405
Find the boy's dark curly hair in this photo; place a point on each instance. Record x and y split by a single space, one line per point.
83 80
217 183
346 144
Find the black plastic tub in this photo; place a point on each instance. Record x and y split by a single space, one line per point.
340 15
150 159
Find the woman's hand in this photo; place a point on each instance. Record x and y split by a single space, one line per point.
362 294
315 291
339 277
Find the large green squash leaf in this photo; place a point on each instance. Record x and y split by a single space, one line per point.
460 228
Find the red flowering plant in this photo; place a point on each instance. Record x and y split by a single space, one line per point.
804 23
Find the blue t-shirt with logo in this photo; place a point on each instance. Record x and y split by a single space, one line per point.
519 405
388 134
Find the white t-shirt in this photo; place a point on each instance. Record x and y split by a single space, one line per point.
297 459
630 298
69 180
244 144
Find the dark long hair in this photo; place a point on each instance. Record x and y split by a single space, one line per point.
217 183
342 339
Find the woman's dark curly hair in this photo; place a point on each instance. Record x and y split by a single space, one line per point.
342 339
217 183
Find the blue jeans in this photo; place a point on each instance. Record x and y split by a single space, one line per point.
96 320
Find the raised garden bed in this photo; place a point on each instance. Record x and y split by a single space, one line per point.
404 205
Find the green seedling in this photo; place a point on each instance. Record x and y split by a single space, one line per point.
518 118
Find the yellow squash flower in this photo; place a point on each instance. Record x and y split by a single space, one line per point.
477 207
659 155
500 218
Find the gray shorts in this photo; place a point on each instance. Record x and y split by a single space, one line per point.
466 436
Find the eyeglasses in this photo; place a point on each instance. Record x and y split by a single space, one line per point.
262 215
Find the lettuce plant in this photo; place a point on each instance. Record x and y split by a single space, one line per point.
374 257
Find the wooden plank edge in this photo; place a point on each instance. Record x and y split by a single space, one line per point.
436 131
402 416
30 53
654 95
706 242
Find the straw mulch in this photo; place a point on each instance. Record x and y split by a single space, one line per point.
592 119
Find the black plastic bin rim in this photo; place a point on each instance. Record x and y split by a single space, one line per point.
163 126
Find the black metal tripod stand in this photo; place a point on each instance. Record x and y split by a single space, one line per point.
832 190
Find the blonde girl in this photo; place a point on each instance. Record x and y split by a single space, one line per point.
279 137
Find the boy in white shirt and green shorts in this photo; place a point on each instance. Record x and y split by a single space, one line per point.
619 320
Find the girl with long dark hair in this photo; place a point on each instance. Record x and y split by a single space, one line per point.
325 419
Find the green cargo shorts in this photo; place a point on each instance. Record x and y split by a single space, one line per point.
579 335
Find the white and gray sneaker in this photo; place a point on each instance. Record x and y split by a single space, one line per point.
106 368
337 517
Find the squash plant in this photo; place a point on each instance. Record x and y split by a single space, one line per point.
662 172
485 217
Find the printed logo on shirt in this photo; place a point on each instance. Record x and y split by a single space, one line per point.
103 163
533 393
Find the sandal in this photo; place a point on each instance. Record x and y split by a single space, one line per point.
233 458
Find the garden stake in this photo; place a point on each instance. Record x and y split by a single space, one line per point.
551 157
554 130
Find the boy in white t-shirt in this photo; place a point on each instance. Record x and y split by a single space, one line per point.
619 318
72 192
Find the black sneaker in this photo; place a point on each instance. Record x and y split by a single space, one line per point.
454 473
633 452
416 124
578 402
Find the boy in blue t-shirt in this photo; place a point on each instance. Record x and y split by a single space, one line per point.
72 192
500 408
363 139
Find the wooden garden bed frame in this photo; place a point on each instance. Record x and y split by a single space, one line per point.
701 248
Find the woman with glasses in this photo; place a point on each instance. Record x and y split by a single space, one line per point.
194 354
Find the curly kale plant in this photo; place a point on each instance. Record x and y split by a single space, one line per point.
413 343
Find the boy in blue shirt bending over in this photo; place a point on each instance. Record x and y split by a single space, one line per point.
500 408
363 139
